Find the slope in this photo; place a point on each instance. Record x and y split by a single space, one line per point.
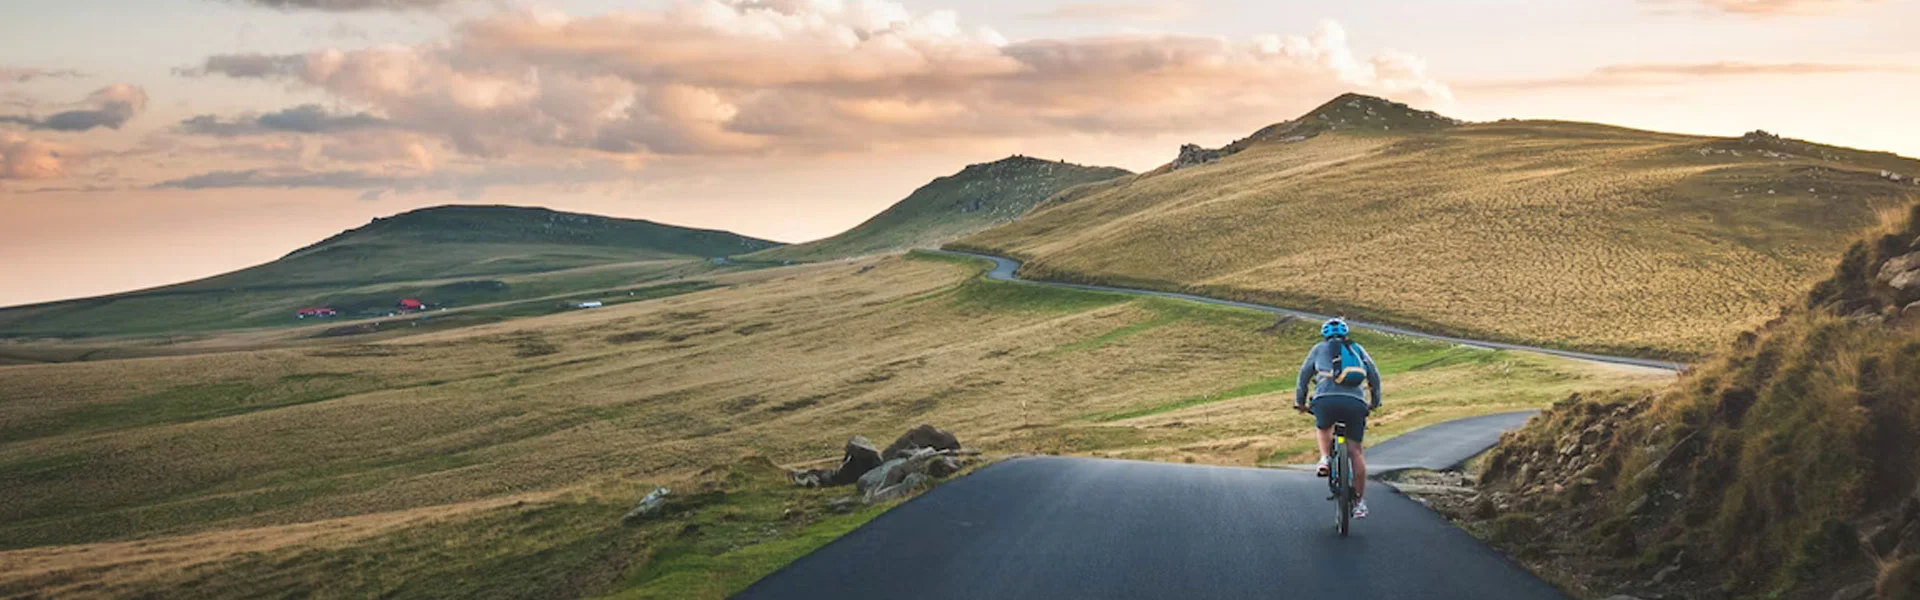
978 197
1786 467
1570 235
525 441
447 255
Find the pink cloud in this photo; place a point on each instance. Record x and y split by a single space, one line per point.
1765 7
22 157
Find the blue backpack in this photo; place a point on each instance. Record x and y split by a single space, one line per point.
1349 365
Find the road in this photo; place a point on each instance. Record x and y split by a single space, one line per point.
1004 269
1442 446
1067 528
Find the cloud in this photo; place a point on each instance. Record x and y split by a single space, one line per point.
109 107
22 157
26 74
714 77
1763 7
1629 75
1735 69
1116 11
246 66
306 118
351 5
467 182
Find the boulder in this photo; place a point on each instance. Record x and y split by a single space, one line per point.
877 477
859 458
1900 271
1858 591
924 436
650 505
899 490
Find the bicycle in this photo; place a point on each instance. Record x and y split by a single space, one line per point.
1339 475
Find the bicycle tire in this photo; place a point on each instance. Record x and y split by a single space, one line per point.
1344 470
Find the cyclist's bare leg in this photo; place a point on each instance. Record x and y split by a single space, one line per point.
1359 469
1326 441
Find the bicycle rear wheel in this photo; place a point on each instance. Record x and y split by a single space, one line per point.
1343 469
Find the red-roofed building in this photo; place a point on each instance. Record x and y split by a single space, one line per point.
411 304
315 312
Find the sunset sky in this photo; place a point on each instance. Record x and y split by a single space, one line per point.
145 142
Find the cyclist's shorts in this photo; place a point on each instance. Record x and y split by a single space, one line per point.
1333 407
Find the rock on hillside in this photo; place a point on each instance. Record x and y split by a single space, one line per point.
979 197
1349 112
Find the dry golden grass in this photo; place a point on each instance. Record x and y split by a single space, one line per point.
1562 234
786 364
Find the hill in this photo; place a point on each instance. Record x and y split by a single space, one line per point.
978 197
1785 467
446 256
1562 234
496 461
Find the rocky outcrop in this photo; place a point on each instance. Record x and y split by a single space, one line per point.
858 458
915 459
1901 272
1193 155
923 436
898 477
650 505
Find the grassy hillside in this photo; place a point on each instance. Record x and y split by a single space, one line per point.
1564 234
1785 467
495 461
978 197
446 256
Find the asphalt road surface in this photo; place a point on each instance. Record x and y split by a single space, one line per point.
1443 445
1068 528
1004 268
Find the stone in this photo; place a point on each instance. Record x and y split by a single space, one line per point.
876 477
1905 280
923 436
650 505
943 466
1193 155
898 491
859 458
1858 591
1897 266
1666 574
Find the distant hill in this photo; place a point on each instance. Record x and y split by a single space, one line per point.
446 256
978 197
1564 234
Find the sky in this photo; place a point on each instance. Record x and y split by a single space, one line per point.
146 142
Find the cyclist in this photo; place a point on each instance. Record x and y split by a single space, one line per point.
1335 400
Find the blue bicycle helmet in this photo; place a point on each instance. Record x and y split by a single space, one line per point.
1334 328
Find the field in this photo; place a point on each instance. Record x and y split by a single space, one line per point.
1562 234
495 460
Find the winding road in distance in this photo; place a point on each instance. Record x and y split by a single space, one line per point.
1057 528
1004 269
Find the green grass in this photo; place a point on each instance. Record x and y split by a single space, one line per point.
686 572
980 295
192 402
